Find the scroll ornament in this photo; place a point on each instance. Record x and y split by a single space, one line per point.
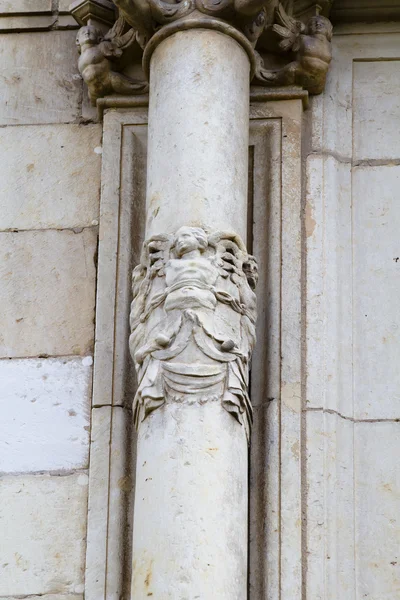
193 320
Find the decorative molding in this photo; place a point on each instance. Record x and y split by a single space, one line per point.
257 94
347 11
201 22
275 488
305 9
93 12
193 322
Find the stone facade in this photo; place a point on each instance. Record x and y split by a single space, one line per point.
95 181
50 186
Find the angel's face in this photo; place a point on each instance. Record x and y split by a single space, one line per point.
320 25
87 35
186 241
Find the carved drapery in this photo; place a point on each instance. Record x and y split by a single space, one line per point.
193 322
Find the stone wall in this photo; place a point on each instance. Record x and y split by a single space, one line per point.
50 155
352 414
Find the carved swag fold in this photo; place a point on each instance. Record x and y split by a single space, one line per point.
193 322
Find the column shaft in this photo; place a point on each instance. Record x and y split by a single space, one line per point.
192 335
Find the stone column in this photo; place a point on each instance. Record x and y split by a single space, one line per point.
192 322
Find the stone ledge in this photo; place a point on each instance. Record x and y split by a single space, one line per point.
368 10
257 94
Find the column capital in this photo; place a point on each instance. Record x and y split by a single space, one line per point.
264 28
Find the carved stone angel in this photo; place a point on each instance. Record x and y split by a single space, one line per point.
193 322
98 61
312 46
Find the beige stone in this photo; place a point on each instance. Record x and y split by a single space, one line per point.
50 399
50 597
377 493
376 109
42 532
63 5
18 23
47 292
329 505
57 182
376 272
25 6
40 79
109 488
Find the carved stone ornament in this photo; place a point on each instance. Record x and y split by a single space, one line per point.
193 322
311 44
98 61
147 22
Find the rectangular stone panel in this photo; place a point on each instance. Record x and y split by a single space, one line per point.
42 533
39 78
329 500
47 292
377 516
50 176
376 293
45 408
376 106
24 6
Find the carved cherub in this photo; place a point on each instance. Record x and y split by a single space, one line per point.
312 46
97 61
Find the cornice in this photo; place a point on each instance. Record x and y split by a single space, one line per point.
350 11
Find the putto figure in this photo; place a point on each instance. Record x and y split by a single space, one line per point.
312 45
98 61
193 322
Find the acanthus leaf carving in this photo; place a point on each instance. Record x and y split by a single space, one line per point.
193 322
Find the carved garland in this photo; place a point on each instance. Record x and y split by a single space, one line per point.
193 322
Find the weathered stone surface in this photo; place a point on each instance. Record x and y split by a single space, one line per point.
40 80
203 134
63 5
328 224
377 492
49 597
66 194
45 407
42 532
376 109
25 6
18 23
47 292
376 292
330 522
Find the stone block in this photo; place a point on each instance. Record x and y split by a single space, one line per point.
63 5
376 109
40 78
377 493
25 6
329 507
45 407
27 22
376 251
47 292
42 532
50 176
